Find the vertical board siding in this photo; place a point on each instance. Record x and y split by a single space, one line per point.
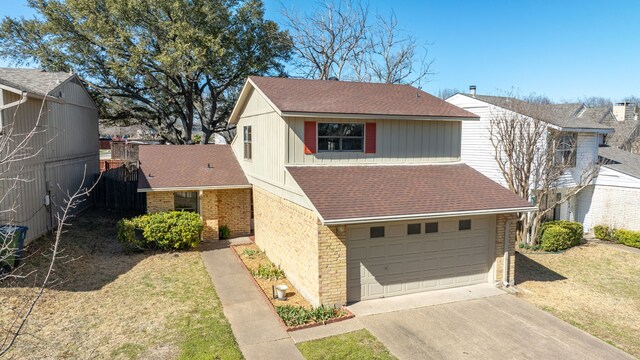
66 139
398 141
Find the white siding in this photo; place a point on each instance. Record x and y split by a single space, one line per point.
397 142
477 150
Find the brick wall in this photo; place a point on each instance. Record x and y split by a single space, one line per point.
210 214
332 264
617 207
159 201
499 247
288 233
235 210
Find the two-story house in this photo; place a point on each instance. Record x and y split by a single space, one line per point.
52 118
590 129
359 191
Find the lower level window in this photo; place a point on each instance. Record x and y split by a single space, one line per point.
185 201
464 225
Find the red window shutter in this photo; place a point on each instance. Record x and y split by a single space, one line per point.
310 137
370 140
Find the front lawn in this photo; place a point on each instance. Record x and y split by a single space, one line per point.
354 345
593 287
110 305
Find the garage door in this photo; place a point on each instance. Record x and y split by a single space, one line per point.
401 258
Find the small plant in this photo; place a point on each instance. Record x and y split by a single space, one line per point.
268 271
298 315
535 247
224 232
603 232
250 253
521 245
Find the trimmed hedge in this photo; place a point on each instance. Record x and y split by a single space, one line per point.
627 237
164 230
560 235
603 232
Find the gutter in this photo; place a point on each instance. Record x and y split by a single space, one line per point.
23 99
426 216
195 188
374 116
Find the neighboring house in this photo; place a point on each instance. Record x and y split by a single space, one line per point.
359 192
65 143
625 119
614 200
590 127
206 179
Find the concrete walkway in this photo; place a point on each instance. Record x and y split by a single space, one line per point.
255 326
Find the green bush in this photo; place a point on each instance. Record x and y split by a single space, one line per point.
627 237
556 238
224 232
298 315
163 230
575 230
603 232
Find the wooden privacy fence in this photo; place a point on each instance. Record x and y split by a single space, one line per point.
118 190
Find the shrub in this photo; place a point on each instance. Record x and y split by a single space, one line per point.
556 238
627 237
224 232
603 232
250 253
298 315
575 230
268 271
164 230
130 235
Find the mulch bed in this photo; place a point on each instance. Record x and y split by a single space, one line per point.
294 298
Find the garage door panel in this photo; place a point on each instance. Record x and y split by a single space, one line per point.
403 264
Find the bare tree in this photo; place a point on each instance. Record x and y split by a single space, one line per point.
337 40
327 41
596 101
394 57
537 161
65 213
448 92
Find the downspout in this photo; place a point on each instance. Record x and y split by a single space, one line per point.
507 240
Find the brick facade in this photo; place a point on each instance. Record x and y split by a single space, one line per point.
217 207
499 247
288 234
332 264
158 201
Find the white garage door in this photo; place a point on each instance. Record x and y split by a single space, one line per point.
392 259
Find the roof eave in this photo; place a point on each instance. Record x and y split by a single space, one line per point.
375 219
375 116
193 188
582 129
244 96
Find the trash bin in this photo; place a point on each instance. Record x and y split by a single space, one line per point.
11 244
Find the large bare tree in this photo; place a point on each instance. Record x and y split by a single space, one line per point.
338 40
537 161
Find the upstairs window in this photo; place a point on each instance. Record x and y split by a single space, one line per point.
565 150
340 137
247 142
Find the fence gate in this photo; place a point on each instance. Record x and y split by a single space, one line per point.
118 190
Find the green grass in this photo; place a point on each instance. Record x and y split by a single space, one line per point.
354 345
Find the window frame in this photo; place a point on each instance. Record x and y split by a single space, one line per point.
197 198
247 142
460 222
340 137
565 151
384 232
426 228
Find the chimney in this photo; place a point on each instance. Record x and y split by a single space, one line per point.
472 90
624 111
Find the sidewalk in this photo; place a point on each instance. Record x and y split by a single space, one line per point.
255 326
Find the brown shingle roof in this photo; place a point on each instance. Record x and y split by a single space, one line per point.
354 192
355 98
187 166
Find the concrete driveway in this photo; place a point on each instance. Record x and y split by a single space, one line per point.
496 327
